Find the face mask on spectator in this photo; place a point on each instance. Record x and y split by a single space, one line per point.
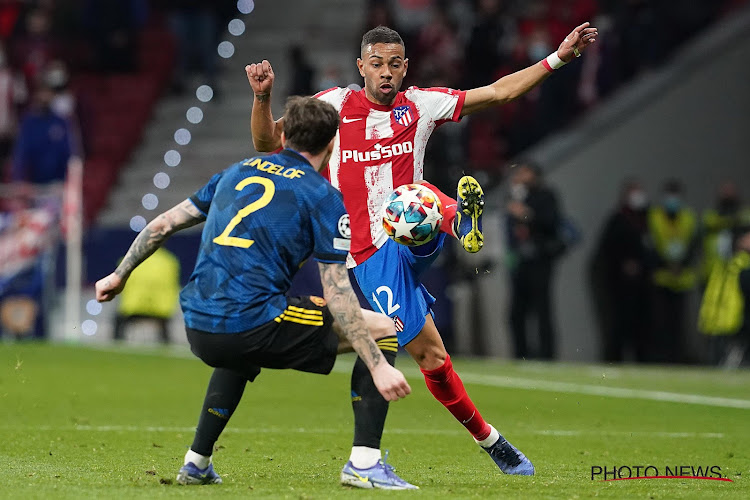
519 192
637 200
63 105
672 204
56 79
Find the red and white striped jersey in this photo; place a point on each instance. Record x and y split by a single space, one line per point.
379 148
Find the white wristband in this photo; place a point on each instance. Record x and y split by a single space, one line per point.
553 62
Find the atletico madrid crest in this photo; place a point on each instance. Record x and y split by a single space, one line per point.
399 324
402 115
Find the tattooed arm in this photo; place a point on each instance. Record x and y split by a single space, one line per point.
147 242
343 304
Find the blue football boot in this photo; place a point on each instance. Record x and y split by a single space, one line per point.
509 458
191 474
381 475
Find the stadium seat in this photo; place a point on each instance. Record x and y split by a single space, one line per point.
120 106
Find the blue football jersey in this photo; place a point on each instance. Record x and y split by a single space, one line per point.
264 217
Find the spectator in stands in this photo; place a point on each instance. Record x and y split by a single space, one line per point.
379 13
557 102
673 230
44 144
195 24
623 277
151 294
13 94
640 34
113 29
330 78
720 224
725 309
533 246
29 227
63 102
484 51
440 62
411 15
66 104
35 47
303 74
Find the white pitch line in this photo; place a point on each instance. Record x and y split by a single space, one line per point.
318 430
588 389
527 384
607 391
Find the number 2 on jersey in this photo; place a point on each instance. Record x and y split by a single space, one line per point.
269 189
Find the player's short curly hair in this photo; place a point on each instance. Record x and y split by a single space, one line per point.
381 34
309 124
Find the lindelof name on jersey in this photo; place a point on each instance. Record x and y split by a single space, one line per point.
273 168
378 152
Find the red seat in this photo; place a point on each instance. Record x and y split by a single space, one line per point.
120 106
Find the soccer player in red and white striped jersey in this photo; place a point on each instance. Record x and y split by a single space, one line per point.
380 146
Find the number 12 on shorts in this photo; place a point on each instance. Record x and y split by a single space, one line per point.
391 307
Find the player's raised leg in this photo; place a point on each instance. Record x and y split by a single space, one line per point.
366 468
222 397
443 382
462 217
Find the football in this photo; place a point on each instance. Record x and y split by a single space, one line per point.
412 215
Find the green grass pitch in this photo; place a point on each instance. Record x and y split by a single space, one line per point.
78 422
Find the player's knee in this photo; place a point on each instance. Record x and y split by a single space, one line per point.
430 358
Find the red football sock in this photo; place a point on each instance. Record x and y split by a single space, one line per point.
449 208
445 384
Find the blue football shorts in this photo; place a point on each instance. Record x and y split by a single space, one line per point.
389 280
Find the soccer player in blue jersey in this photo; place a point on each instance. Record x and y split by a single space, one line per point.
264 217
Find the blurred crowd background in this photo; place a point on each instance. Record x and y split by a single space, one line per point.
468 44
80 79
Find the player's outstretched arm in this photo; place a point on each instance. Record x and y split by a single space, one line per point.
265 131
517 84
147 242
343 304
